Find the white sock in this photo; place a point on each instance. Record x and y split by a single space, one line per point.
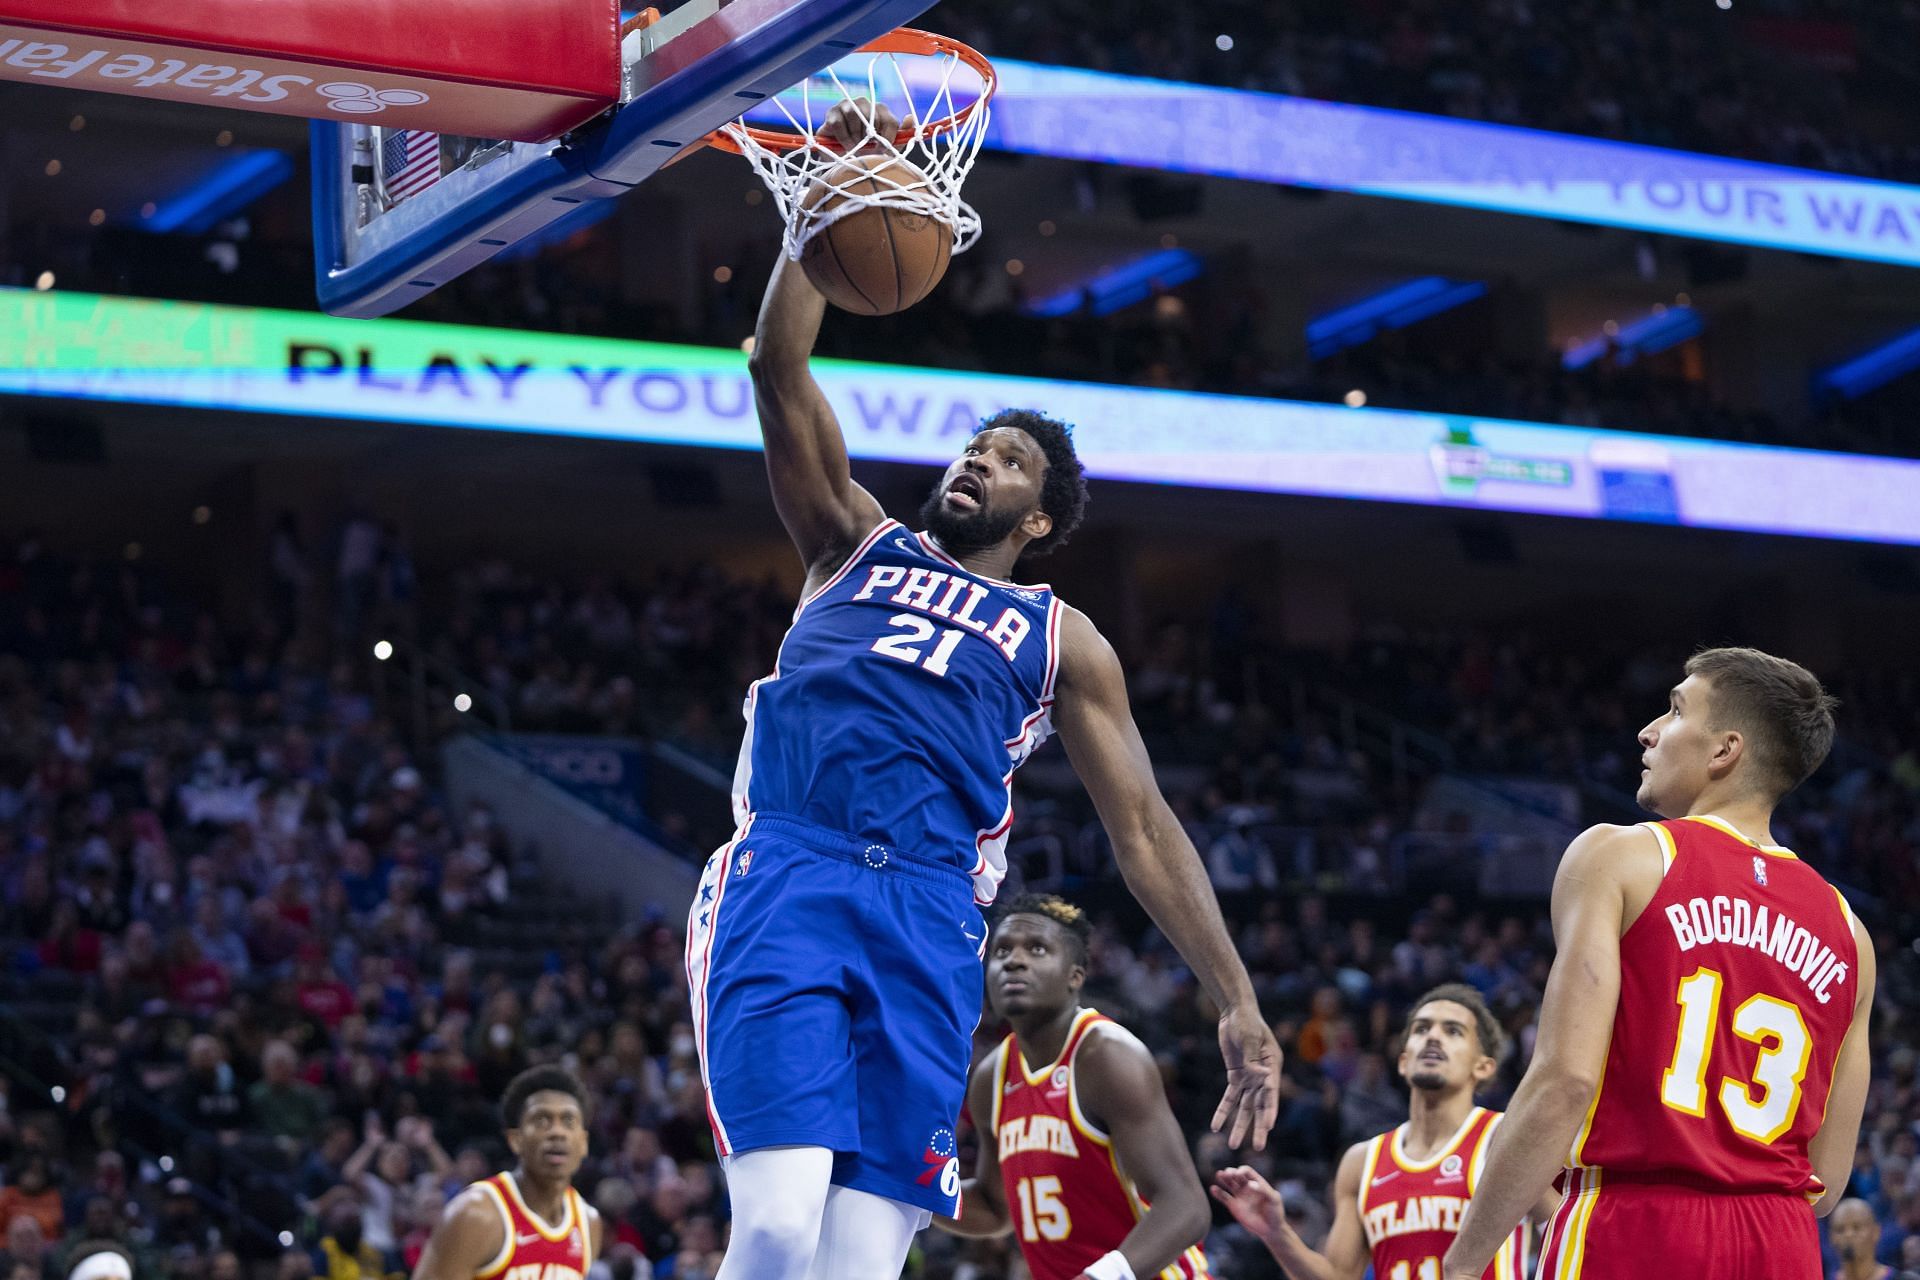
864 1236
779 1195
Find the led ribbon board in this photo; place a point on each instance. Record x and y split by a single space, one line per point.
1266 137
82 345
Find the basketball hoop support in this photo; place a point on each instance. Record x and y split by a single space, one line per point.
698 71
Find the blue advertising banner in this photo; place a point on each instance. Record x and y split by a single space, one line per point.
1268 137
65 344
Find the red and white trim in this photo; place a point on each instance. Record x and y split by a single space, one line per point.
990 850
934 549
700 969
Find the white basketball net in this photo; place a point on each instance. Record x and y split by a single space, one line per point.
942 158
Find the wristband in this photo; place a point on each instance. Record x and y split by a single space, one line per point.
1111 1267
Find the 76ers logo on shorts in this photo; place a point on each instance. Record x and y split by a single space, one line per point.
942 1162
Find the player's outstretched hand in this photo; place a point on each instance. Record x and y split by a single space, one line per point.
846 125
1252 1201
1253 1078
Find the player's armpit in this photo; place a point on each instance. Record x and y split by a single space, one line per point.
1161 868
469 1237
1832 1147
1602 869
1119 1085
825 512
1346 1243
983 1205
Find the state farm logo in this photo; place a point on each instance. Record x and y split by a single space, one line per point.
120 67
355 99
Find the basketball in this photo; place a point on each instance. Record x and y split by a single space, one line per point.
876 261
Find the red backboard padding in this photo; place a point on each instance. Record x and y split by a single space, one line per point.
523 69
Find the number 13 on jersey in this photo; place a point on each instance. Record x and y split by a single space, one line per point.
1785 1050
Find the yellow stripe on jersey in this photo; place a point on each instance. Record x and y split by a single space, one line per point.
1668 850
1000 1082
1576 1158
1367 1166
505 1256
1573 1251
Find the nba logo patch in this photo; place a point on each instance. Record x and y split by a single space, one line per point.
1760 871
1450 1168
746 861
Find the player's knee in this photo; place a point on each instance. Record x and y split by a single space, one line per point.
780 1236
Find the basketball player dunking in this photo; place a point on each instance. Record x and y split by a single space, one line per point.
1398 1198
1702 1058
528 1223
834 945
1081 1157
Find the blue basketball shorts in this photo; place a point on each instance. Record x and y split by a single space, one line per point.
836 985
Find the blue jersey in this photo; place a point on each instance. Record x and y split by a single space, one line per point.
904 696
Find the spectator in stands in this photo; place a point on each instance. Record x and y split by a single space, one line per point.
281 1104
104 1260
30 1193
383 1171
26 1256
1854 1233
182 1228
343 1253
208 1096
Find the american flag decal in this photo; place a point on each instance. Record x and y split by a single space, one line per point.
409 161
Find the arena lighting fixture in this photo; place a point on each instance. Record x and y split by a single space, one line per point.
1651 334
1395 307
462 703
1871 369
382 650
1115 288
227 190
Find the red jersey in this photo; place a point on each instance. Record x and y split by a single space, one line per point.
1071 1202
1736 989
534 1250
1411 1209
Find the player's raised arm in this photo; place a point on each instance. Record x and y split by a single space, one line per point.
983 1207
1162 869
1119 1084
1257 1206
469 1237
1832 1148
1576 1022
825 512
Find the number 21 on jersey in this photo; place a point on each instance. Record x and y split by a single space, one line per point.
1404 1270
907 645
1785 1049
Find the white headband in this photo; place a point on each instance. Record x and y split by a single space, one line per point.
104 1265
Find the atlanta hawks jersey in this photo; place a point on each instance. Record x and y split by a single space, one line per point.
904 696
534 1250
1071 1202
1411 1209
1736 990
